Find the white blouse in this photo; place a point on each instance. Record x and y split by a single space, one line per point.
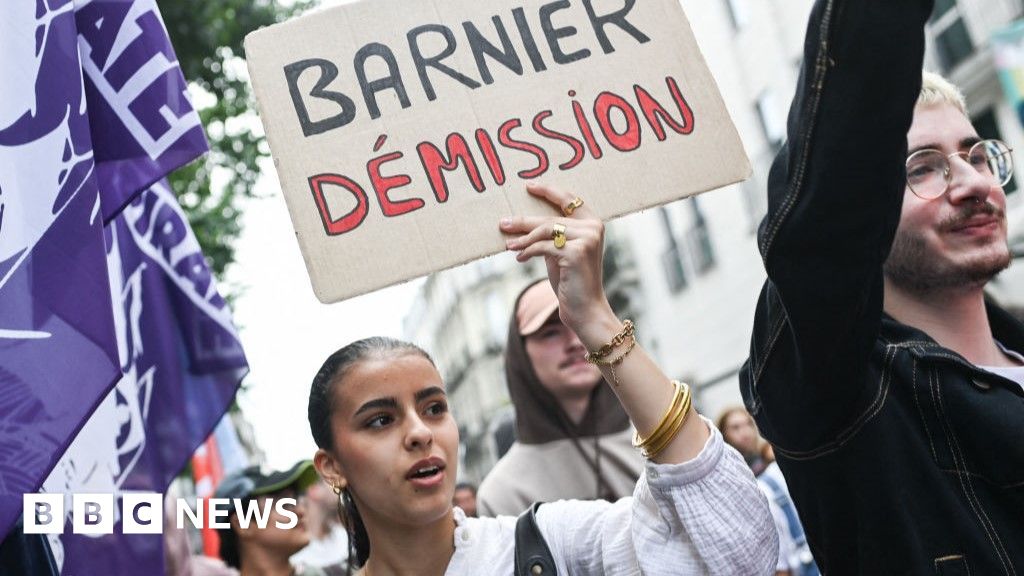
704 516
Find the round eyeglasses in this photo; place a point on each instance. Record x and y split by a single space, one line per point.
929 172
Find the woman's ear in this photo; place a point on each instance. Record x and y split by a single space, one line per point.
330 470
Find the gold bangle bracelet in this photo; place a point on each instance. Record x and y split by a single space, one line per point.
654 445
680 397
677 397
641 443
677 425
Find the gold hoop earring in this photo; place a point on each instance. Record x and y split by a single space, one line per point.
339 487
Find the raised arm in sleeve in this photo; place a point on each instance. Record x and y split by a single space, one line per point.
835 192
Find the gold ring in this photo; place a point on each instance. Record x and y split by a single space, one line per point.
572 206
558 235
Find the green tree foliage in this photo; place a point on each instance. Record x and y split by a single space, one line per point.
207 37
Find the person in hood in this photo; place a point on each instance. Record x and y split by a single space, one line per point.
573 439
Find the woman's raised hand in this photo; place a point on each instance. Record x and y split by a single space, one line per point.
572 247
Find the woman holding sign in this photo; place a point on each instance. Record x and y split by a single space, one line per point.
389 447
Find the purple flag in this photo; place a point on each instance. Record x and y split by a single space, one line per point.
138 105
182 363
58 354
92 111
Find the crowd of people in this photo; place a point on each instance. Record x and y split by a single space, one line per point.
883 390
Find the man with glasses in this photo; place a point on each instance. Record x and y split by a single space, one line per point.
892 392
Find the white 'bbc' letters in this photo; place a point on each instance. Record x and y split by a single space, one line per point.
142 513
43 513
92 513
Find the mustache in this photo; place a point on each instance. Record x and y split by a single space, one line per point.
572 359
963 215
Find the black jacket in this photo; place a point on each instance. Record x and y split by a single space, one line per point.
901 456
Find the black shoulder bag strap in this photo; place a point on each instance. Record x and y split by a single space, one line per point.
533 557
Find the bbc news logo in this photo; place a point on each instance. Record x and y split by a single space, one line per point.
143 513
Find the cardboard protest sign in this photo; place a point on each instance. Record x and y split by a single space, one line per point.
402 130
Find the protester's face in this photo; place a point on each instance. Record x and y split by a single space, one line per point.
741 433
958 240
465 499
556 354
320 495
321 505
396 444
283 542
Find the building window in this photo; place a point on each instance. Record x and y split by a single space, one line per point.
737 13
672 263
699 240
672 258
987 127
773 122
952 40
689 254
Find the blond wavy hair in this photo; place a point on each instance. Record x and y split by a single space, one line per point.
937 90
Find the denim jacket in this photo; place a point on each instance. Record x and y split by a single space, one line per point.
901 456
